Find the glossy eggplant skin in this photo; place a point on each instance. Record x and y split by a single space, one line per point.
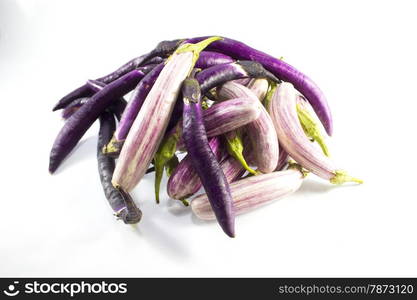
203 159
209 59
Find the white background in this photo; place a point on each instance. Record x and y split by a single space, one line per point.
361 53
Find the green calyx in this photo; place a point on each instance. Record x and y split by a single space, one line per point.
197 48
165 156
185 202
294 165
311 128
171 165
341 177
268 97
235 149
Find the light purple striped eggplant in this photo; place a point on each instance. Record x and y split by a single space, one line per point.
261 131
152 120
295 142
184 180
227 115
259 86
252 192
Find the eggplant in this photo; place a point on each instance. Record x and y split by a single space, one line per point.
304 84
203 159
150 124
84 117
121 203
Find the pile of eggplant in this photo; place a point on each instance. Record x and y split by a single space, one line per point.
249 127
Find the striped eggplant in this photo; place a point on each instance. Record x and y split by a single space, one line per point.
261 131
151 122
228 115
295 142
135 103
184 180
252 192
259 86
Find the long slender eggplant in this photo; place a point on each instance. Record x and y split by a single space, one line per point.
280 69
184 180
151 122
73 107
135 103
252 192
120 202
203 159
84 117
208 59
261 131
296 143
163 49
207 78
219 74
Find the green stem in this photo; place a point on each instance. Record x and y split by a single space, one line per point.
311 128
165 153
268 97
197 48
235 149
341 177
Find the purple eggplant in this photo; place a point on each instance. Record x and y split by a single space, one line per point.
163 49
209 59
184 181
150 124
84 117
219 74
135 103
282 70
73 107
203 159
121 203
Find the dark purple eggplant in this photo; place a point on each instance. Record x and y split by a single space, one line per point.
84 117
163 49
73 107
121 202
203 159
282 70
219 74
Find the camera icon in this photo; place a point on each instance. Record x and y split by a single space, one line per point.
12 290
